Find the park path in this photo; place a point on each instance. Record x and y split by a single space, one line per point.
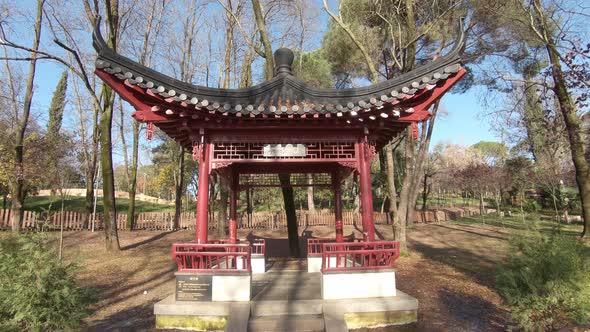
450 271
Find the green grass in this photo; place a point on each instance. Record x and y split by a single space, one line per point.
516 224
42 203
434 199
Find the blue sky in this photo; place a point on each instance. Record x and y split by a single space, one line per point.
464 123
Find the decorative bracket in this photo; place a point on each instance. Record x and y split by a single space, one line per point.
221 164
415 132
149 132
348 164
197 151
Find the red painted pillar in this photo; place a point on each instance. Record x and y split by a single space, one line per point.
366 191
203 194
338 207
233 210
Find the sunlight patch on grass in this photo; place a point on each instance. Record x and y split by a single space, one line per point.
44 203
516 224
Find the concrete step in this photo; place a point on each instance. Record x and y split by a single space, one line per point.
287 323
294 308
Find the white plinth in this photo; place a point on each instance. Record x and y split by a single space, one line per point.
314 263
258 263
231 287
357 284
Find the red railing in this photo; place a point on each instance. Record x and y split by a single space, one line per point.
258 245
211 257
355 256
314 245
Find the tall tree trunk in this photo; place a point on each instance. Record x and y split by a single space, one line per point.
287 189
133 177
144 59
402 218
18 187
399 225
108 178
571 119
409 55
106 146
90 173
269 60
222 218
292 227
310 203
223 200
405 209
481 209
246 74
179 186
124 143
417 172
424 191
90 153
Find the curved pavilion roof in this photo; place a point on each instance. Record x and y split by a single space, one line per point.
285 94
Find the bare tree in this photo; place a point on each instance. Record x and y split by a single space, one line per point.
404 30
543 27
18 188
153 26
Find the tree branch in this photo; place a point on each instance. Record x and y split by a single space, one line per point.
242 31
371 66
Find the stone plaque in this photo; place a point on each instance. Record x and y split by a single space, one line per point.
284 150
193 287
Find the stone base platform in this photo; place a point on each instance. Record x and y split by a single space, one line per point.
287 301
201 316
371 312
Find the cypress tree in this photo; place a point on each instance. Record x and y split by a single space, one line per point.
56 109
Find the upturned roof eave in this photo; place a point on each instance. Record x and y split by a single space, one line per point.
283 88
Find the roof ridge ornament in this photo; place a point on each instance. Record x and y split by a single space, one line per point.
283 61
97 40
460 43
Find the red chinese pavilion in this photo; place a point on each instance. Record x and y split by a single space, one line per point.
279 126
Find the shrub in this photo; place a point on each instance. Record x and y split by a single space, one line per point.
37 292
531 205
546 282
533 216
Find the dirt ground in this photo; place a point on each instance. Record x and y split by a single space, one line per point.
450 271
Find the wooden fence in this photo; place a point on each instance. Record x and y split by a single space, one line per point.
258 220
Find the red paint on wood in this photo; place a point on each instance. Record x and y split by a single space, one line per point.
337 207
365 190
203 195
359 256
233 209
123 92
218 258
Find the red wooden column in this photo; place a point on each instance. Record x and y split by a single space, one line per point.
233 209
337 188
203 194
365 189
